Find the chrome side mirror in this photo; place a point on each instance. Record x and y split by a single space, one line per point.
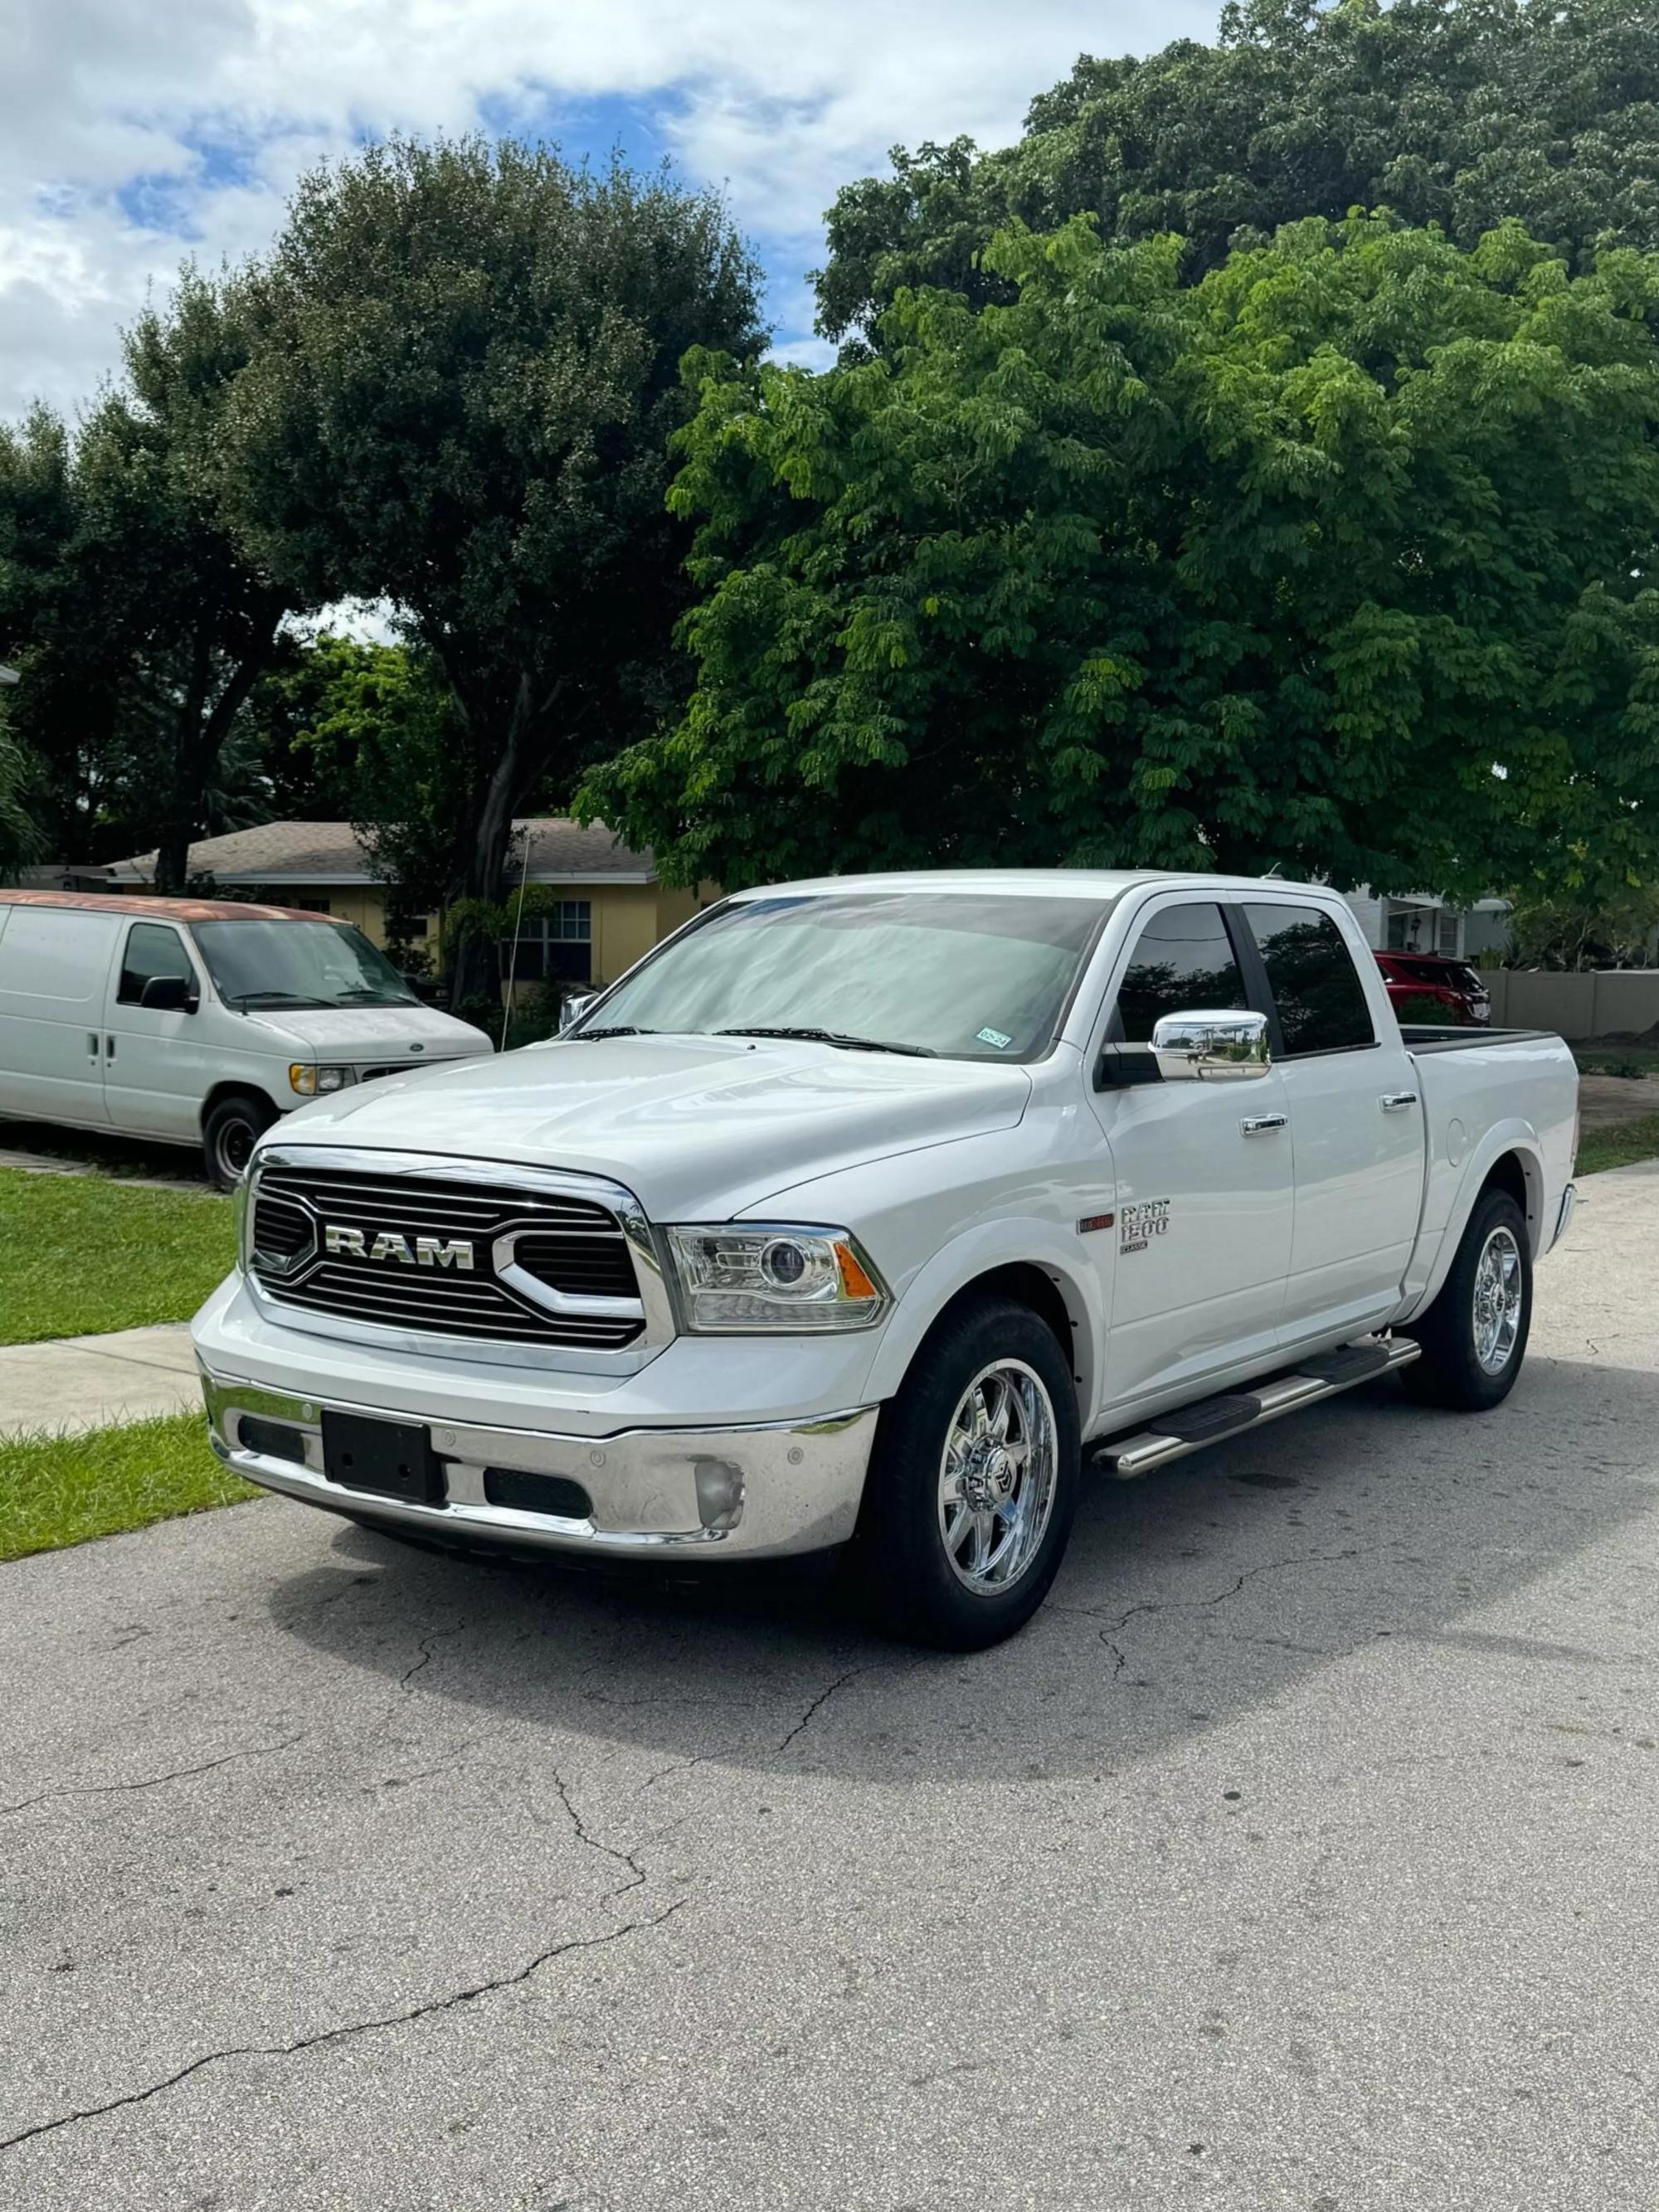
1203 1046
571 1012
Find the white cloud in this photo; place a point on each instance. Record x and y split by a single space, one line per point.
134 130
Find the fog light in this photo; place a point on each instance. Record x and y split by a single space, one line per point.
719 1493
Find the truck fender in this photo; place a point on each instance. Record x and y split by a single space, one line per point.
979 1251
1512 1136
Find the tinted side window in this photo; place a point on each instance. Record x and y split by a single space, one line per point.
1183 960
151 950
1320 1000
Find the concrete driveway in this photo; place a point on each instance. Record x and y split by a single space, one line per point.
1302 1854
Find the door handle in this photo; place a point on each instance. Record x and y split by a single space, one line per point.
1396 1102
109 1048
95 1046
1257 1125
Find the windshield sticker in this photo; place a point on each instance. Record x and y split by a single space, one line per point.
1140 1223
996 1037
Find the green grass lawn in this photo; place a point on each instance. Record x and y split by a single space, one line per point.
1616 1059
79 1254
57 1490
1621 1146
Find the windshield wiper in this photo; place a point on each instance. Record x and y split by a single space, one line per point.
367 998
285 998
835 1036
622 1029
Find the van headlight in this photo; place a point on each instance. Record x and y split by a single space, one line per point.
311 1081
773 1275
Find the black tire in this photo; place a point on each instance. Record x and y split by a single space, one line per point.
1451 1372
229 1134
903 1558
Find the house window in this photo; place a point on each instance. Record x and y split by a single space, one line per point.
405 923
1446 933
554 947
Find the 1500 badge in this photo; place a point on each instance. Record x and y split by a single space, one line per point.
1139 1225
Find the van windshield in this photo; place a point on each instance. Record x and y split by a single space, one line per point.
259 963
963 975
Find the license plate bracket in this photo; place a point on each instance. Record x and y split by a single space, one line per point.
389 1459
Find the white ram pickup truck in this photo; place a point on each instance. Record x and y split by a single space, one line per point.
868 1212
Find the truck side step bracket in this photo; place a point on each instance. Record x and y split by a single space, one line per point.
1209 1419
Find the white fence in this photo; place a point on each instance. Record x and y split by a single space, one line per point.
1596 1005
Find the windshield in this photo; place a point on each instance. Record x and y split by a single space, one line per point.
972 975
298 964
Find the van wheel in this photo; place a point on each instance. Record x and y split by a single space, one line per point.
974 1480
229 1134
1475 1335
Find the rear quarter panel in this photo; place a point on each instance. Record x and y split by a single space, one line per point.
1515 1095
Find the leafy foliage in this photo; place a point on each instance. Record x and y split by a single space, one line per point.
138 623
20 839
1551 927
1339 558
370 733
1455 112
461 401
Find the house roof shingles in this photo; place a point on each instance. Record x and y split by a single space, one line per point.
559 851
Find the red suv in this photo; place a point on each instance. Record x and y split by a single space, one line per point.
1425 986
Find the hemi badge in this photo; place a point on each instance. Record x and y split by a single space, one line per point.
1095 1221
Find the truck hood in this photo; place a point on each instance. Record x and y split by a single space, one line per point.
369 1033
698 1128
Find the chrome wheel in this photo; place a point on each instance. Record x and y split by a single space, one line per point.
1499 1289
997 1476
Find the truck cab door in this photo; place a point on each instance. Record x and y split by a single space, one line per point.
154 1078
1356 1125
1202 1174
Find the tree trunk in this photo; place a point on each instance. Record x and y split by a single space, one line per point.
476 969
200 740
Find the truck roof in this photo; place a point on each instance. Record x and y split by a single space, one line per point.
164 909
1103 884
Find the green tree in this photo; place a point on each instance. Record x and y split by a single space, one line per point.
20 837
1459 113
140 624
461 402
1339 558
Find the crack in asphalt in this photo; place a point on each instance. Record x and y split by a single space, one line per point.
597 1843
1114 1628
151 1781
432 1636
433 2005
817 1705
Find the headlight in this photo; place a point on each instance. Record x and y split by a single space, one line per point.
310 1080
769 1275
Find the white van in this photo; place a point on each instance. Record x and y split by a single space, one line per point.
198 1021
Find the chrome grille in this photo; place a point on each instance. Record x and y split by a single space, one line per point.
576 1248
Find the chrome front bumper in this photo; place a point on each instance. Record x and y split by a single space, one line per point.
754 1491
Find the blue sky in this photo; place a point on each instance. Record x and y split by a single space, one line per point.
138 130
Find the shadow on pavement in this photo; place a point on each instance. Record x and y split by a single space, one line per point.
1184 1600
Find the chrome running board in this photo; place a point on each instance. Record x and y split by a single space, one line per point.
1209 1420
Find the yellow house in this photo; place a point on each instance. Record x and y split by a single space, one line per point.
610 907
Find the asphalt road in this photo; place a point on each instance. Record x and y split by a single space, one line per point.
1302 1854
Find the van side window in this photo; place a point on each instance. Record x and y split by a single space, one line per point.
151 950
1311 971
1182 962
